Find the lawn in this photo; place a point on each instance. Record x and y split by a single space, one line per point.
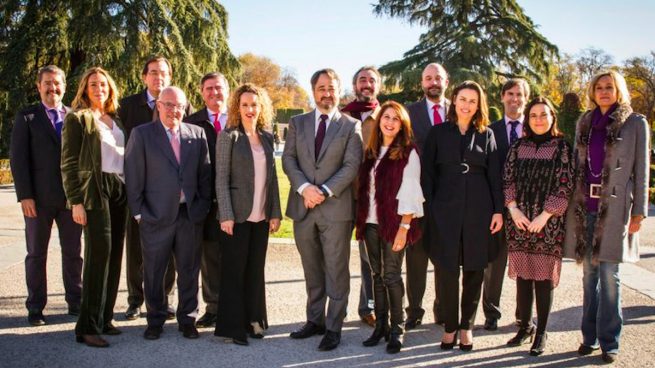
286 229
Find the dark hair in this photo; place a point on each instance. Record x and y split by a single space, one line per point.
554 129
213 75
481 118
154 59
327 71
367 67
53 69
511 83
400 143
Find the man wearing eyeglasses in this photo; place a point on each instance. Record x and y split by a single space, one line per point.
168 182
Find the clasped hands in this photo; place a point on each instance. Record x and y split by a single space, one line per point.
312 196
523 223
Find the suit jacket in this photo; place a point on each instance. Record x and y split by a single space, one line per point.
368 125
154 178
81 161
500 133
35 157
201 118
235 176
421 123
134 111
336 166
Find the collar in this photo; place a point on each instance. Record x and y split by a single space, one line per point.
167 129
150 98
507 120
318 113
442 103
60 108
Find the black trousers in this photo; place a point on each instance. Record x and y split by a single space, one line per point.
103 253
242 290
450 302
416 263
525 292
210 274
386 269
494 275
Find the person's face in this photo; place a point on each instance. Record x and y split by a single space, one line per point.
249 108
605 93
514 101
171 107
466 104
540 119
158 77
97 89
390 124
214 93
51 89
434 82
367 86
326 93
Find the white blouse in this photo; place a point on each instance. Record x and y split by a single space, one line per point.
410 195
112 148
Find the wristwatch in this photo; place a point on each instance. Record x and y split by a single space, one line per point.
405 226
324 191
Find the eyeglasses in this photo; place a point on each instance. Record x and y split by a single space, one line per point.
172 106
543 116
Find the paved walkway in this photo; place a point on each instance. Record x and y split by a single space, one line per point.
53 345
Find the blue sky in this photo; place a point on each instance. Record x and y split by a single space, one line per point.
304 36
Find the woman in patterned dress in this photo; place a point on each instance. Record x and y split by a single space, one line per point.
538 182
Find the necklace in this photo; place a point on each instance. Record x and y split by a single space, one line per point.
591 172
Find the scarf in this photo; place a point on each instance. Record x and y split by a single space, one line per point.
356 108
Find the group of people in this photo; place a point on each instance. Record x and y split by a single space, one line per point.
197 194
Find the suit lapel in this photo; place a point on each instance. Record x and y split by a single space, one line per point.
501 137
165 144
309 127
43 119
333 128
185 144
424 114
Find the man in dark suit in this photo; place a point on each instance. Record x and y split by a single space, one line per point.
215 91
168 183
514 95
135 110
429 111
321 157
35 154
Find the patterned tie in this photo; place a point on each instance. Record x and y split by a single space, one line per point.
175 144
320 135
56 119
513 136
217 124
436 117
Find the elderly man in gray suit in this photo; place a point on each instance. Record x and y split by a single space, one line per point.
168 181
321 157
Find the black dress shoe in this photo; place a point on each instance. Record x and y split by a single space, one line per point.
93 341
133 312
170 312
110 329
412 323
207 320
395 343
189 331
523 335
74 310
243 341
539 344
35 317
491 324
330 341
381 331
610 357
307 330
586 349
152 332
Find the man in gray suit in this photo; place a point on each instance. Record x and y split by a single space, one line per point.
168 181
321 157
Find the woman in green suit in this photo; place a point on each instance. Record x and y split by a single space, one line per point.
93 145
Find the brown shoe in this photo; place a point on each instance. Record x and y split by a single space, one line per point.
369 319
93 341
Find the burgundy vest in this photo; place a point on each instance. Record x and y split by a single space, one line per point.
388 178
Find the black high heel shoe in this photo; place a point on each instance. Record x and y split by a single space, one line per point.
522 336
465 347
381 331
539 344
449 345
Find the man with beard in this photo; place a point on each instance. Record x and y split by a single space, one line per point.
214 90
514 95
365 108
429 111
136 110
321 157
35 155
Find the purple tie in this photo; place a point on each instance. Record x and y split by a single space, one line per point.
320 135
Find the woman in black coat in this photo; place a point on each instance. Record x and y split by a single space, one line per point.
462 185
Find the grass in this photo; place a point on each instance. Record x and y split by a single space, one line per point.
286 228
5 172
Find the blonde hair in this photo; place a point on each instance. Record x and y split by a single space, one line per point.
82 101
622 93
265 111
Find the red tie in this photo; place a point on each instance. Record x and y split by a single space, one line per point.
436 117
217 124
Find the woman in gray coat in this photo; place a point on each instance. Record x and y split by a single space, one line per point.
609 202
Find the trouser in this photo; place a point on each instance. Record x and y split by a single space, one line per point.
366 289
450 301
134 261
525 291
602 317
103 253
37 237
324 247
494 275
181 239
417 266
386 268
210 273
243 295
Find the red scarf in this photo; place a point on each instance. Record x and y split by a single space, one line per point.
356 108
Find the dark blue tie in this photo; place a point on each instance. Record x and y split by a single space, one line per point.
513 136
320 135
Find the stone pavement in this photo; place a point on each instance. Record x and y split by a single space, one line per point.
54 345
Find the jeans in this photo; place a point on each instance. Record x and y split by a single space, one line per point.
602 318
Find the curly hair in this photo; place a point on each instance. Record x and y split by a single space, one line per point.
266 112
